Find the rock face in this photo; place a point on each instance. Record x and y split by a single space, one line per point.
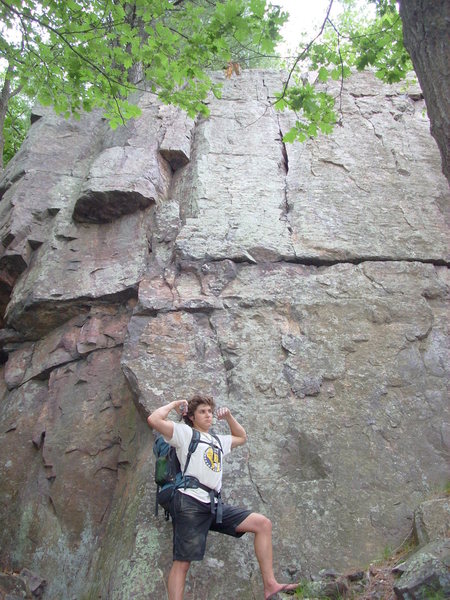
305 287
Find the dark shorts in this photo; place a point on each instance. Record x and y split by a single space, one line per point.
191 521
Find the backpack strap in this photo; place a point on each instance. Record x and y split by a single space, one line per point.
218 441
192 448
218 446
156 500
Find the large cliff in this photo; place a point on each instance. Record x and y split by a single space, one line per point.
304 286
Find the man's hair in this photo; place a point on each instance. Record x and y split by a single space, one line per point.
194 403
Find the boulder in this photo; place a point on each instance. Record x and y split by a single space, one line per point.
13 587
432 520
121 181
426 573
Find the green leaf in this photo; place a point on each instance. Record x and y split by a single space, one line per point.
326 128
45 98
280 104
290 136
336 74
258 8
312 130
323 74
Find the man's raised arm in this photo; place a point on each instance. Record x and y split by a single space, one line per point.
158 419
238 435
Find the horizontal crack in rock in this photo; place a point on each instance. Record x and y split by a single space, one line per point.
328 262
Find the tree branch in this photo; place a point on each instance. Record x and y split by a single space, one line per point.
305 51
30 17
342 67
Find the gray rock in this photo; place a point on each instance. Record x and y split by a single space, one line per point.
176 144
432 520
77 265
121 181
227 215
379 161
273 217
13 587
35 583
76 338
425 573
264 338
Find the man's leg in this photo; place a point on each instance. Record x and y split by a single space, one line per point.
261 526
177 579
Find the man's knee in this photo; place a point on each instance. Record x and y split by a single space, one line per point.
181 566
264 523
256 523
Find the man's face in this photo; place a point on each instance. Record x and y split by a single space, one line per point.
202 418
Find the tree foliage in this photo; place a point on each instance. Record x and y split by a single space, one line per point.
351 41
17 123
78 55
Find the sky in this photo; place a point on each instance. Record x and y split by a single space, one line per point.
305 15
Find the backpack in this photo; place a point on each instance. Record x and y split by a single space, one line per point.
168 474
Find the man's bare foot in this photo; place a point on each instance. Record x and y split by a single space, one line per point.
287 588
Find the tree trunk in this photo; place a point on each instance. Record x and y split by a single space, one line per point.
426 26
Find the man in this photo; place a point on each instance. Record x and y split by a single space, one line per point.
192 509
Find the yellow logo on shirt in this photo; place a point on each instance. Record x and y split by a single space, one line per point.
212 459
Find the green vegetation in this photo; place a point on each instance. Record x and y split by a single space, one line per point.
16 125
392 556
309 591
430 594
78 55
350 42
304 590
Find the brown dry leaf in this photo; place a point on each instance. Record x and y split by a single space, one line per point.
232 67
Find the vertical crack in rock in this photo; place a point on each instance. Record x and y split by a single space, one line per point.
52 504
264 85
227 364
377 135
285 208
253 482
151 231
402 210
169 278
284 153
284 165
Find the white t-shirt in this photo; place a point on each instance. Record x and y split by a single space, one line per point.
205 463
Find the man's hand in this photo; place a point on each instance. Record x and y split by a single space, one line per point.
181 407
223 412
